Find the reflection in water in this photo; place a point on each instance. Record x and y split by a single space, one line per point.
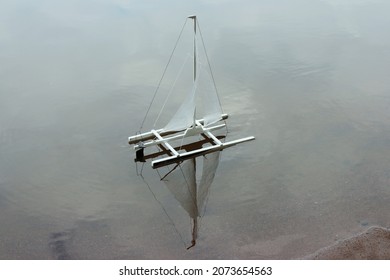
307 78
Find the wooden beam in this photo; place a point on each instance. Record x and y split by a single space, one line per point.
187 147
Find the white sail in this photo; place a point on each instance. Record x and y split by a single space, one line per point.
202 101
185 115
208 101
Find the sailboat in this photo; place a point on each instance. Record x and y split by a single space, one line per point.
197 144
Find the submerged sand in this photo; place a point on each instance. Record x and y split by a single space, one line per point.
373 244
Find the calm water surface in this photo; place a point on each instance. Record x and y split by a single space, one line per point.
308 78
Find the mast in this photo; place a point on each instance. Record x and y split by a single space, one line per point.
193 17
195 198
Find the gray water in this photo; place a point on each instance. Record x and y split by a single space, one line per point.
308 78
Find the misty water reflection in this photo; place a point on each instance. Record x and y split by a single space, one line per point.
307 78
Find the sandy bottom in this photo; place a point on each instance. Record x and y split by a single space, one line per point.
372 244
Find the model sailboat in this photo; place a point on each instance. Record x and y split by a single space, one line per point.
196 140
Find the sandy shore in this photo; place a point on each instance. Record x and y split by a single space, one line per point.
372 244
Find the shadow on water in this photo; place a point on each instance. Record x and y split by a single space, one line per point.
58 244
89 238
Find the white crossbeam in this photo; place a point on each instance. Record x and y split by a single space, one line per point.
149 135
165 143
209 134
181 135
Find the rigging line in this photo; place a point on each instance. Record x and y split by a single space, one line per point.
208 62
139 173
171 90
162 77
169 172
182 139
165 211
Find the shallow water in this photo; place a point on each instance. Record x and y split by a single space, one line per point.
307 78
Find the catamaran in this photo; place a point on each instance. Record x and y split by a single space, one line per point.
194 128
